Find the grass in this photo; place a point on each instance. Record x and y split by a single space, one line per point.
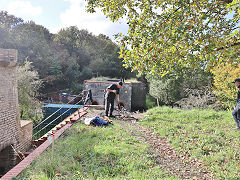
102 78
206 135
86 152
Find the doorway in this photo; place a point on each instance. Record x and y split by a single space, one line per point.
6 160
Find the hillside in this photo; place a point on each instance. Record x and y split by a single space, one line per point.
167 144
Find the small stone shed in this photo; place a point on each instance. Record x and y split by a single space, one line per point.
132 95
15 135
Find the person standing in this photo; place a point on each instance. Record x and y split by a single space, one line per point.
111 94
236 111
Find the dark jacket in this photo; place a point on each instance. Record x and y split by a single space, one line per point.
111 95
238 96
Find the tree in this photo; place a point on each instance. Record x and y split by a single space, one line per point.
63 60
33 43
7 23
225 90
165 34
176 85
28 86
98 53
107 62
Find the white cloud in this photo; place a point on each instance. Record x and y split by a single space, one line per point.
96 22
24 9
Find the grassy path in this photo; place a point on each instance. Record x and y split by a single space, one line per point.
86 152
164 154
167 144
206 135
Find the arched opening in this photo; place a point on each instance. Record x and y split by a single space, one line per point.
6 160
94 102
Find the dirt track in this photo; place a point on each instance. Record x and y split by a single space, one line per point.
163 153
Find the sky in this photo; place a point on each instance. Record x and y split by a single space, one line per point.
57 14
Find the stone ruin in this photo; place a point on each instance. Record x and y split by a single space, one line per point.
15 135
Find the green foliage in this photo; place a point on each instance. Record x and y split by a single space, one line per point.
225 90
165 34
33 43
86 73
77 88
62 60
206 135
28 85
150 101
9 21
165 89
132 80
175 86
87 152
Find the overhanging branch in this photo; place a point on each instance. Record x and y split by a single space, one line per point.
228 46
227 1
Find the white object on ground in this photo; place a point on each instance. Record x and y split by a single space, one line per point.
87 121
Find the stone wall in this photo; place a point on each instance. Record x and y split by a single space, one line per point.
132 95
99 88
26 134
9 113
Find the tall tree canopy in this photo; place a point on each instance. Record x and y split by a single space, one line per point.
164 34
63 60
34 44
7 23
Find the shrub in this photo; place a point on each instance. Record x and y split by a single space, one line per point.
28 86
175 86
150 101
199 99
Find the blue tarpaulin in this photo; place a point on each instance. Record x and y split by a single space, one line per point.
64 112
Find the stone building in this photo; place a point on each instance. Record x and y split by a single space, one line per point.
132 95
15 135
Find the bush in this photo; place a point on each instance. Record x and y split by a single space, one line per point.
28 86
175 86
199 99
150 101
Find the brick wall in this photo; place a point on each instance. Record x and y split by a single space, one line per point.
11 133
9 118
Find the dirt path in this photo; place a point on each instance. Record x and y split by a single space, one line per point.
163 153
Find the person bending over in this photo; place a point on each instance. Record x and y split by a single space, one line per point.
112 93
